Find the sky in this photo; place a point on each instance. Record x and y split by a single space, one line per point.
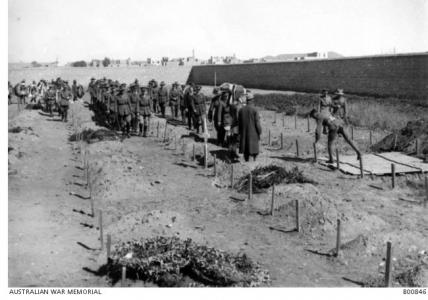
70 30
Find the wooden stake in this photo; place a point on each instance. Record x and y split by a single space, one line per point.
272 204
371 138
269 138
426 191
361 167
337 159
352 132
108 247
157 130
315 152
297 215
297 148
295 120
309 123
215 165
282 141
231 176
91 199
250 187
393 175
101 229
338 238
164 134
417 147
388 264
283 120
205 154
87 174
194 152
123 282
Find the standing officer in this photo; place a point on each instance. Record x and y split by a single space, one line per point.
92 91
50 96
134 97
198 108
188 94
144 111
153 92
124 110
174 98
65 97
162 97
182 105
74 90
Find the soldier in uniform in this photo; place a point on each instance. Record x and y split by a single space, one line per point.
187 99
144 111
324 105
92 91
162 97
10 92
182 105
65 96
33 92
21 91
112 108
134 97
198 108
213 113
339 107
50 96
174 99
153 92
74 90
124 110
335 126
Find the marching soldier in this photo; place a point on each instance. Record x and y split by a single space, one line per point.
144 111
65 96
174 98
124 110
153 92
198 108
50 100
162 97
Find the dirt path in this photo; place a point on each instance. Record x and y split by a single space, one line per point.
43 229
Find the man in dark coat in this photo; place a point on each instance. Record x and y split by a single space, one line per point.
65 96
162 98
74 90
249 129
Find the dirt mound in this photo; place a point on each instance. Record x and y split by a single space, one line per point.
18 129
266 176
166 261
405 139
91 135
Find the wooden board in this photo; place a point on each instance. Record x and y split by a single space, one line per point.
380 164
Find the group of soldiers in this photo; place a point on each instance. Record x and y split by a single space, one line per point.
51 96
332 119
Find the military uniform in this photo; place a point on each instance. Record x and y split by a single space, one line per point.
198 108
134 97
153 92
92 91
65 97
174 99
213 112
74 90
162 98
50 100
21 91
144 112
124 111
187 99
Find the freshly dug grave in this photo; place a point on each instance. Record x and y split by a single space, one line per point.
265 177
91 136
405 139
170 261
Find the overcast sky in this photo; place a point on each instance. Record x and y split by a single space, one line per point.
43 30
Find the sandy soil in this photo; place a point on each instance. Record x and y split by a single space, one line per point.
146 187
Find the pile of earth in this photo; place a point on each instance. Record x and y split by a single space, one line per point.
404 140
266 176
91 135
171 261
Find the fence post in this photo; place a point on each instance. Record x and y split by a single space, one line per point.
388 264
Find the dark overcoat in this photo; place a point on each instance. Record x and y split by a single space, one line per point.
249 130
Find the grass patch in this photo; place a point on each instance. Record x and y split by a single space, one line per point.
374 113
